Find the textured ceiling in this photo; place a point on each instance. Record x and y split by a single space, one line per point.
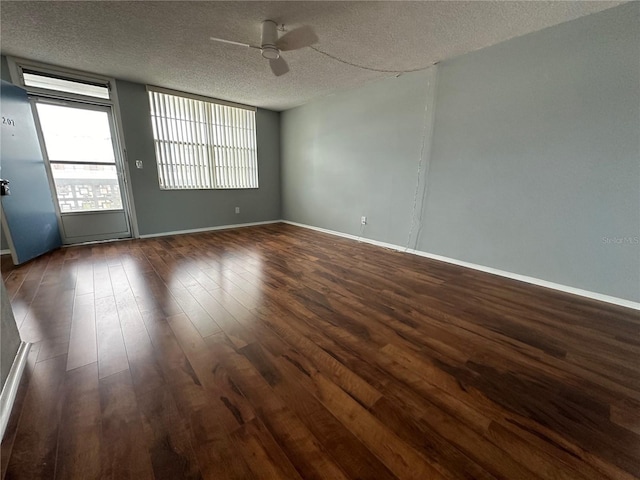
167 43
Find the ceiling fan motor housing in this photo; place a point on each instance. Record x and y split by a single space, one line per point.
269 39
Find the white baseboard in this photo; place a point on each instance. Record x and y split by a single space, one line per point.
207 229
5 252
494 271
10 389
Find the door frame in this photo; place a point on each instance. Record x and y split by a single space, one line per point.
15 69
118 162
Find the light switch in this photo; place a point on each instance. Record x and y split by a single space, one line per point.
139 164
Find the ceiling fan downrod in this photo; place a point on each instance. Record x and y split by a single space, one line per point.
269 38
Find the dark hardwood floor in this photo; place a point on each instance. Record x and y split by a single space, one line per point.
278 352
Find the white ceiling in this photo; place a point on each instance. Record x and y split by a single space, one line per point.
167 43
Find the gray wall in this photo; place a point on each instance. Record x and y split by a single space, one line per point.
536 155
534 162
9 336
170 210
356 154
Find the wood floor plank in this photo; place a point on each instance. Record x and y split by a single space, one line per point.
27 289
300 445
283 373
232 409
112 354
472 408
78 455
102 280
49 312
424 438
35 445
209 417
14 276
84 283
16 412
262 452
149 289
200 317
167 436
398 456
219 451
83 348
324 361
145 371
123 450
223 318
56 326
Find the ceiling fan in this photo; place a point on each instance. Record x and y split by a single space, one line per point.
271 45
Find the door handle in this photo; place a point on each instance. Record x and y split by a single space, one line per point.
4 187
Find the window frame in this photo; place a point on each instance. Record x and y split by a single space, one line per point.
211 168
18 65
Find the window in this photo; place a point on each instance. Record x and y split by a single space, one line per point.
49 81
201 144
79 146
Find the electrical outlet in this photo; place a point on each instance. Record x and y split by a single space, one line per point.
363 220
139 164
237 209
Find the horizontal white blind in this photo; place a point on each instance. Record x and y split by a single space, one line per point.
201 145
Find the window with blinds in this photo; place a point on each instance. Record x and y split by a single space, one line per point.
201 144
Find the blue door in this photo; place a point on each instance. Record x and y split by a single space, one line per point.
29 218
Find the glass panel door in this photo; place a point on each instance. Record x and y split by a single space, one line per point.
79 144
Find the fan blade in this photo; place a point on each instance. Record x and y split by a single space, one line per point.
240 44
278 66
298 38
